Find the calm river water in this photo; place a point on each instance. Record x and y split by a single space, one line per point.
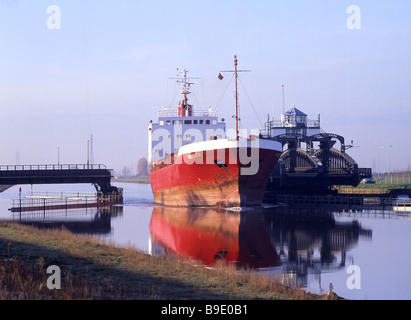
315 248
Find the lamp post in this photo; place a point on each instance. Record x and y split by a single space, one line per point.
88 153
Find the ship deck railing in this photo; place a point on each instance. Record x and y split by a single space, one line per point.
174 113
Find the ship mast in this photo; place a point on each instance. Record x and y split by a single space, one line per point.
236 97
236 71
185 109
185 85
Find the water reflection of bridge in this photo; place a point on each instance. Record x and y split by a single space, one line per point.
94 221
301 241
311 241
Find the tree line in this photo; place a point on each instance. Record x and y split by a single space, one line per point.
142 169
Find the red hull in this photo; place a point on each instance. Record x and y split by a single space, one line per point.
187 183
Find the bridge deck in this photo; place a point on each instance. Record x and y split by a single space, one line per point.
56 174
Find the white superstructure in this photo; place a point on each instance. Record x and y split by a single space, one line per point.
175 129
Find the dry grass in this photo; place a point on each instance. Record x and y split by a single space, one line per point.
26 281
94 270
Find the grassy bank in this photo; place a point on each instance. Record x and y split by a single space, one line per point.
372 188
92 270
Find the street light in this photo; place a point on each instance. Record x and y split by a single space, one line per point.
88 153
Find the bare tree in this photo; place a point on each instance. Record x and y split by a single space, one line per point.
142 167
126 171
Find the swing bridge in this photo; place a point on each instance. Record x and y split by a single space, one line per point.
314 169
95 174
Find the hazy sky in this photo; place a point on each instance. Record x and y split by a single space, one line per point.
102 67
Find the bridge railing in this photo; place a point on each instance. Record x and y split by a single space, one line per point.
53 167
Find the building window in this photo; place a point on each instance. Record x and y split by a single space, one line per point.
187 121
207 121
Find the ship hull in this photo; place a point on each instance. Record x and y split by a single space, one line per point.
215 177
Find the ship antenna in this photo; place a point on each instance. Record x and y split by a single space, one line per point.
185 82
186 86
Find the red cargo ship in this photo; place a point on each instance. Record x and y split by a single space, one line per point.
194 164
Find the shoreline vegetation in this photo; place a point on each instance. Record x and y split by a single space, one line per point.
92 270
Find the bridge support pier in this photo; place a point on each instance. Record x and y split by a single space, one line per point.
110 195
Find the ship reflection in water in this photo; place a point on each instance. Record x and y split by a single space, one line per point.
290 241
210 235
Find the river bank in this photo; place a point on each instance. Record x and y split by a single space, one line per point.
96 271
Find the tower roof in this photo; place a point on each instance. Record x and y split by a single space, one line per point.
295 112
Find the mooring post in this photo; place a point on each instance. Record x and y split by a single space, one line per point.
20 201
20 198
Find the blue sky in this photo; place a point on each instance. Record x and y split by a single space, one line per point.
107 70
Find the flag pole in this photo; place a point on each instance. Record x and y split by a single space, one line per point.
236 97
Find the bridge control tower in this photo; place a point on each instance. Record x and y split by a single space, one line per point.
294 122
